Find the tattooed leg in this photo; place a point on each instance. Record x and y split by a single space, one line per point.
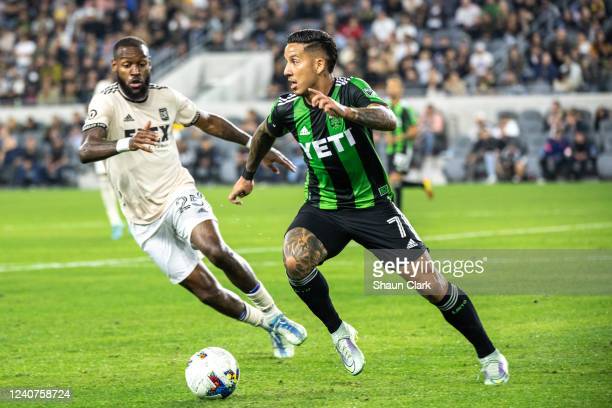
302 252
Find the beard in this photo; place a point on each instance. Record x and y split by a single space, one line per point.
136 95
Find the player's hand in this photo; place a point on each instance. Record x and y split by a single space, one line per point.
144 139
274 156
242 188
332 108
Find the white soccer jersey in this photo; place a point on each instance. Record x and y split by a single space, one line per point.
143 181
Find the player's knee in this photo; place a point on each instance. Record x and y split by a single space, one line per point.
297 267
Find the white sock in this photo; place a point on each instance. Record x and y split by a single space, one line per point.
262 300
109 200
252 316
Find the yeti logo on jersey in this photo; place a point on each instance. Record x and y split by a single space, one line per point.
321 147
163 114
304 131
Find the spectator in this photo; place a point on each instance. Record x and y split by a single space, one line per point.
481 60
512 159
454 85
555 156
431 131
28 170
383 27
468 16
546 70
482 159
207 165
57 166
583 157
570 76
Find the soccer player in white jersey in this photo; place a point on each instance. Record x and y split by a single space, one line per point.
129 126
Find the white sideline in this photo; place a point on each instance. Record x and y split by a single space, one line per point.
144 261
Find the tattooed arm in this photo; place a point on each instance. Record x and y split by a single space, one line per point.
374 116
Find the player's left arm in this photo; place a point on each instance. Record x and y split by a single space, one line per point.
375 116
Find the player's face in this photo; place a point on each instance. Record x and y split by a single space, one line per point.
394 89
302 68
132 69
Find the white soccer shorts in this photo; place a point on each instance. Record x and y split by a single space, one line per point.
168 240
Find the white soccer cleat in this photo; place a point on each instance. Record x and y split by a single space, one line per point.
292 332
345 341
495 369
280 347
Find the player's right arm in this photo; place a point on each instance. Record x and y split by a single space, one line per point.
96 147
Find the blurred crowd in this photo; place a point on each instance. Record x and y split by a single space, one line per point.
56 50
564 144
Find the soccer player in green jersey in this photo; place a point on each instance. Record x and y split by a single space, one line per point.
348 196
400 143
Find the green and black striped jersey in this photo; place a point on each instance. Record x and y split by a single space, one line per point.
406 117
344 170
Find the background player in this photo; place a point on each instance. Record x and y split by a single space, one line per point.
129 125
400 143
106 189
348 196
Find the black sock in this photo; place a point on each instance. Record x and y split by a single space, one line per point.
313 291
458 310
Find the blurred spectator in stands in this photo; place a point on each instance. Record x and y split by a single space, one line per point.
436 15
512 159
57 166
481 61
434 83
383 27
352 29
583 157
9 151
515 62
546 70
482 160
601 114
430 139
206 163
454 85
554 116
555 156
570 76
423 66
468 16
296 155
28 170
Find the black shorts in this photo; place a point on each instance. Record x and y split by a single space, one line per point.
381 227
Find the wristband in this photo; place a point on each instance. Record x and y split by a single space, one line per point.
123 145
248 175
248 144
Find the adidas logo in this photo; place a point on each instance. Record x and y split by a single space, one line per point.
411 244
304 131
128 118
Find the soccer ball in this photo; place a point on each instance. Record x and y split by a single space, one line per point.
212 373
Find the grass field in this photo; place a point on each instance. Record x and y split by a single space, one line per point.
81 311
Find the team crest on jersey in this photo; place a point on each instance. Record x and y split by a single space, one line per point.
335 122
369 91
163 114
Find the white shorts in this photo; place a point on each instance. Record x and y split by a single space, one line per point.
168 240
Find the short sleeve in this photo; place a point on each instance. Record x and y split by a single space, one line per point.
275 121
99 113
361 94
186 111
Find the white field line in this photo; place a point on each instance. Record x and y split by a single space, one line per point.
144 261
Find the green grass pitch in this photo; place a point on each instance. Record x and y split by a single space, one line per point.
119 334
